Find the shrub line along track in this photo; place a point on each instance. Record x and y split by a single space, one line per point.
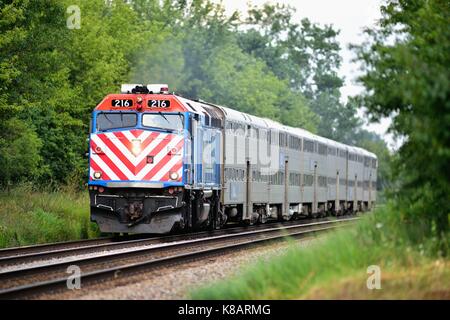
165 255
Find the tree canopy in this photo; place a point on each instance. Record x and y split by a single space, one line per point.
407 77
52 76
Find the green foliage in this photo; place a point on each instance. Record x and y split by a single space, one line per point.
30 217
381 238
51 77
306 55
407 77
19 151
227 76
376 145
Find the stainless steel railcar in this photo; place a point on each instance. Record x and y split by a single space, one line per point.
159 162
311 175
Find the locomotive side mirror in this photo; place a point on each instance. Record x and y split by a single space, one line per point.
190 125
192 118
86 154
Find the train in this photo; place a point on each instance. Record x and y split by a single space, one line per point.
160 163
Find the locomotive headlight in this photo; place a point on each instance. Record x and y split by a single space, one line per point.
136 146
97 174
173 175
174 150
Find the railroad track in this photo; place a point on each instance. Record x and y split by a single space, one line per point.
134 256
35 249
27 254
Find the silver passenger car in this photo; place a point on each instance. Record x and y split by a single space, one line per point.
272 171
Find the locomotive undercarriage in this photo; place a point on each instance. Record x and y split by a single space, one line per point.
158 211
136 210
203 210
155 210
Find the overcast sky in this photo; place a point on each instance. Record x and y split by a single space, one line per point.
350 17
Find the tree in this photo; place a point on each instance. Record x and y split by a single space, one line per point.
51 77
19 152
19 144
373 143
307 56
205 61
407 78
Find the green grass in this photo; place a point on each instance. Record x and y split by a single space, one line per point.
336 266
28 217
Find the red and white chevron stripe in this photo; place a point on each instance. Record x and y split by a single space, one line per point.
122 155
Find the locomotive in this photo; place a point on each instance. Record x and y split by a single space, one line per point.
159 162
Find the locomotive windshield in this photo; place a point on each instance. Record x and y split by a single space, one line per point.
106 121
167 121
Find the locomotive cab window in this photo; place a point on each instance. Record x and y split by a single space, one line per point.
166 121
115 120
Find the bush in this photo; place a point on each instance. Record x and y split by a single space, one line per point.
30 217
379 239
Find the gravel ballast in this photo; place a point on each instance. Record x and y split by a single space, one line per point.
175 282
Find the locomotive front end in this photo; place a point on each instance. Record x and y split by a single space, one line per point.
137 146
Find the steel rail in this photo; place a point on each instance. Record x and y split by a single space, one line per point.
16 251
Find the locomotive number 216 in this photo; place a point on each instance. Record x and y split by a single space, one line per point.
158 103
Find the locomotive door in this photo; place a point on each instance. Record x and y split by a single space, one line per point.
210 153
197 158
